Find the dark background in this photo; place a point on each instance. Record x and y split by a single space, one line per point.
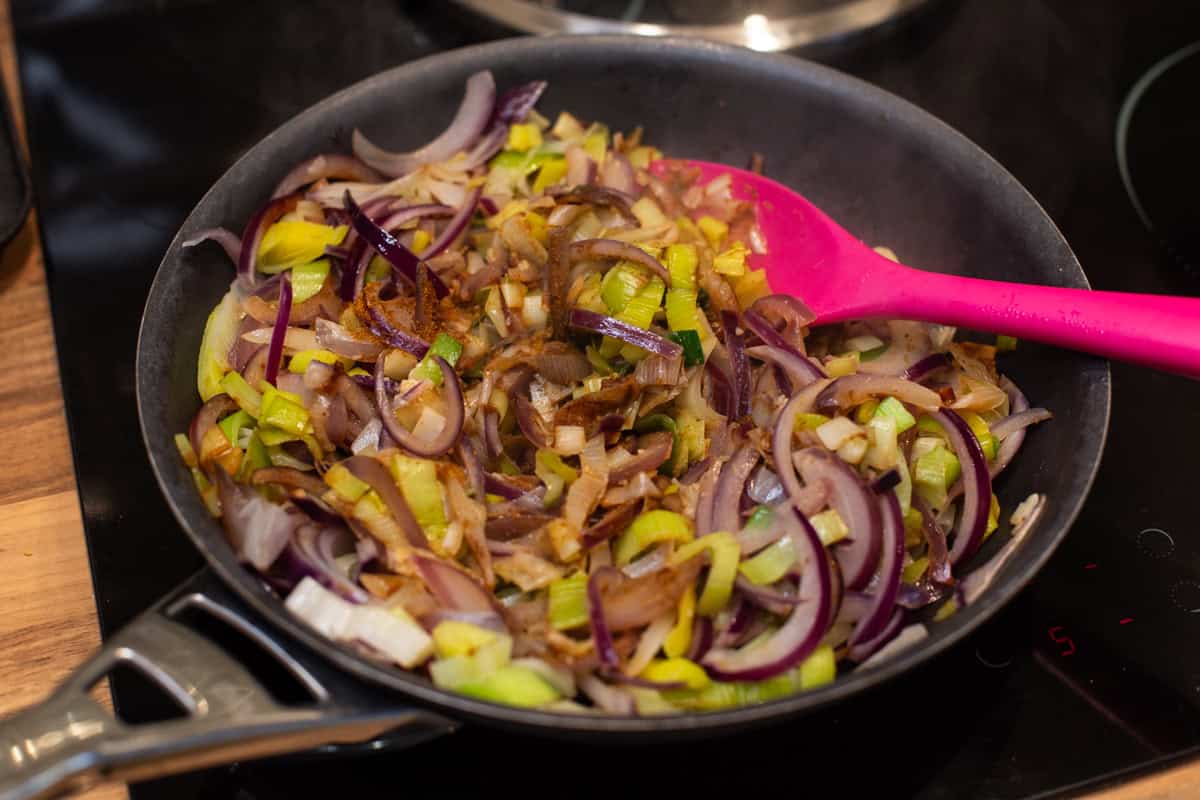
136 107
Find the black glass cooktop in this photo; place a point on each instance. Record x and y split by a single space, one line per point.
137 106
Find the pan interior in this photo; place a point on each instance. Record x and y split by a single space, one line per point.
885 170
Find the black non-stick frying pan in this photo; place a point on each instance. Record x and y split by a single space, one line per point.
884 169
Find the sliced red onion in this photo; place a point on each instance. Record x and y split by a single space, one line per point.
696 471
595 249
289 478
381 326
372 473
702 638
255 371
851 390
491 432
531 423
720 388
469 121
608 699
654 449
773 600
312 552
808 499
601 635
726 515
977 486
264 218
508 487
854 606
611 524
1019 421
228 240
258 530
355 270
489 144
342 342
559 362
458 223
591 194
919 595
733 621
654 370
704 499
926 367
798 369
580 167
979 579
618 174
790 311
327 165
740 367
862 651
455 413
275 351
859 554
480 619
805 626
1009 445
752 538
515 104
216 407
388 246
356 400
455 589
630 334
500 549
635 602
883 596
935 541
764 330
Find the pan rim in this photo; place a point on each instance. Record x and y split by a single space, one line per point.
411 687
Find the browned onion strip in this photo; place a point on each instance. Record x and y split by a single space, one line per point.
589 249
455 413
372 473
852 390
600 196
655 449
291 478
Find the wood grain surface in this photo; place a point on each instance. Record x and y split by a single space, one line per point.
47 609
48 620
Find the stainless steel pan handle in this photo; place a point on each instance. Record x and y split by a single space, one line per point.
70 742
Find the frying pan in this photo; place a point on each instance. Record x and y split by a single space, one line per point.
883 168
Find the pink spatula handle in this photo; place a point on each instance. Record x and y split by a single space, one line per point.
1154 330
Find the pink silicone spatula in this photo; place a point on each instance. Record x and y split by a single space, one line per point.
840 278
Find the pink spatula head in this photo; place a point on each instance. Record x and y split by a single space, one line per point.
838 277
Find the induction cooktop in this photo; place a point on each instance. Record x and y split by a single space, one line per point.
1091 675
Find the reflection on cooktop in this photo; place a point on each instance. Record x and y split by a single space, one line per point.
1158 151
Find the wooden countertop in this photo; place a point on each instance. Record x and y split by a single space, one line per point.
48 625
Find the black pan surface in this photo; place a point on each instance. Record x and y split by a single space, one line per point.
886 170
